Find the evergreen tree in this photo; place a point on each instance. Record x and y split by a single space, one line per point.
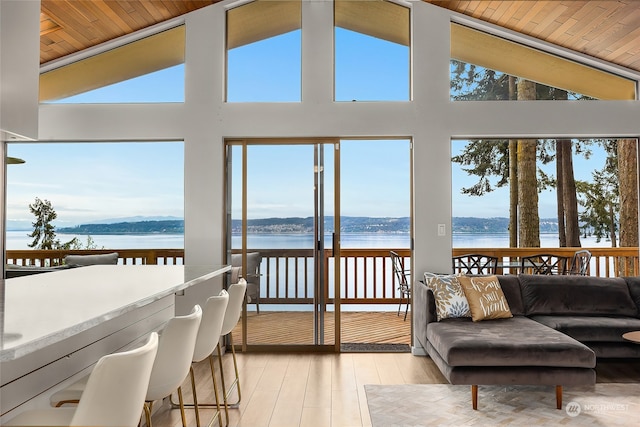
600 206
43 230
44 234
627 151
488 159
529 226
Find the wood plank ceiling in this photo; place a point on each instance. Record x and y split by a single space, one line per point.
604 29
69 26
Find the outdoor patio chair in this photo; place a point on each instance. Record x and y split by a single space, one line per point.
254 259
544 264
403 283
580 263
475 264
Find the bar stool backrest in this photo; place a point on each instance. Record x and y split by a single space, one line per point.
211 326
234 309
175 353
116 389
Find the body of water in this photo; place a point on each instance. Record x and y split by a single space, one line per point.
18 240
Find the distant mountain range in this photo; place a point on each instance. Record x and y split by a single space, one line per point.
137 227
301 225
20 225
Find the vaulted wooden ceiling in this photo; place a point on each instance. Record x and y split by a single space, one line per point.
605 29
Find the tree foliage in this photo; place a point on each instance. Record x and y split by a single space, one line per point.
44 234
598 217
485 159
43 230
600 198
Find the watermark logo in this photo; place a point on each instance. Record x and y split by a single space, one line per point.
573 409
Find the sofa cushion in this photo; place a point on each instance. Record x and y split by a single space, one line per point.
448 294
590 328
508 375
511 288
517 341
615 350
576 295
485 297
634 290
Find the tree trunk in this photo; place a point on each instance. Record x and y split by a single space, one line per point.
529 225
513 193
513 176
566 189
570 198
612 226
562 236
628 180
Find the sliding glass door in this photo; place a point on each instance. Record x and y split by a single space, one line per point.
283 217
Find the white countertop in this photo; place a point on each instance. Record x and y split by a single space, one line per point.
43 309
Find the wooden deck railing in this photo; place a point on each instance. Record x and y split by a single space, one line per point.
366 275
49 258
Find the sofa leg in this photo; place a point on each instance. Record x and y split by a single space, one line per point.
559 396
474 396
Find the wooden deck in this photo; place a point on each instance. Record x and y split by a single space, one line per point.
294 327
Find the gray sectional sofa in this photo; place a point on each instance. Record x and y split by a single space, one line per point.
560 326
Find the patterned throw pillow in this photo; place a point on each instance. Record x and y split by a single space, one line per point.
450 299
485 297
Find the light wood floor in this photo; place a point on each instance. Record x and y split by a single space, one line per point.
325 390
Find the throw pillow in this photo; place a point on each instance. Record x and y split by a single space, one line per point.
98 259
485 297
450 299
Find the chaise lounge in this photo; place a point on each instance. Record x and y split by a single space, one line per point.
555 329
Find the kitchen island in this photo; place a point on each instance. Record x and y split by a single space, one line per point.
57 325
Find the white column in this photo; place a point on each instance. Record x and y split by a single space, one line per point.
19 68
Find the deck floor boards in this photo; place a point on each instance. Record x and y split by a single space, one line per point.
295 327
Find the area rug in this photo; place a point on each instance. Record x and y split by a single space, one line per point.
415 405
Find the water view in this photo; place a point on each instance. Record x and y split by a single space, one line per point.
18 240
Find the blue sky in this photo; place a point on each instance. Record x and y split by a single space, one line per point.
280 181
88 182
91 181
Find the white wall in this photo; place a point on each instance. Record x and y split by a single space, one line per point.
19 61
204 121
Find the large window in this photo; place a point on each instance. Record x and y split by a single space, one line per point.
160 86
146 70
596 174
122 195
372 51
481 66
264 62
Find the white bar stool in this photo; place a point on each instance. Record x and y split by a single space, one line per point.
114 394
